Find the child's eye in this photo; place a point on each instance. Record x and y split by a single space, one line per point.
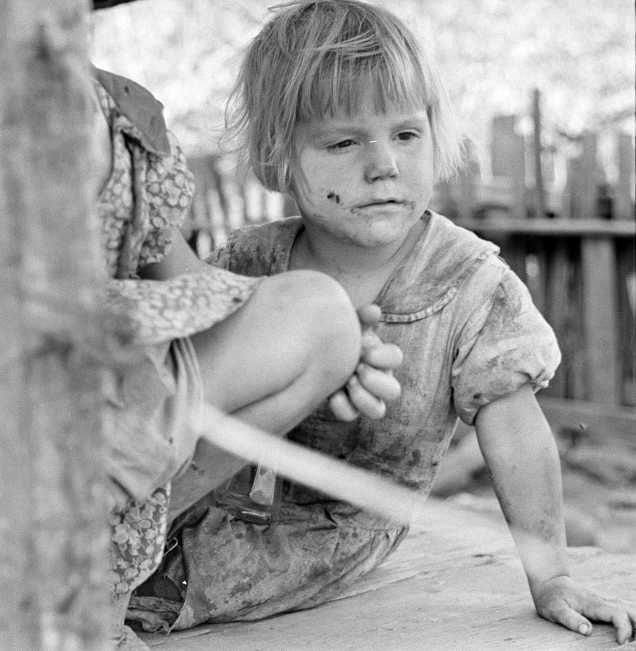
407 135
341 145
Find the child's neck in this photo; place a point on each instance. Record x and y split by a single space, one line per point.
362 271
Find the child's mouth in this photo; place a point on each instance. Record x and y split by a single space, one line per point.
383 203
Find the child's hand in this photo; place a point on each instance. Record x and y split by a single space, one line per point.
372 385
564 602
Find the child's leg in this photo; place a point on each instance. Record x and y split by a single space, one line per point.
271 363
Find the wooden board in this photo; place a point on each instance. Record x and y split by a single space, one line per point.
455 583
492 226
600 328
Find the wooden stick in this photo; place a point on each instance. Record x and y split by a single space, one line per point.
311 468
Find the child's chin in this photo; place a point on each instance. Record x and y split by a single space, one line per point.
386 233
375 240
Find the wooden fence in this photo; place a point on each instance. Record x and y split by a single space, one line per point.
572 242
564 228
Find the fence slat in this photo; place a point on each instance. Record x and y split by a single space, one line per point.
537 152
558 313
623 203
598 265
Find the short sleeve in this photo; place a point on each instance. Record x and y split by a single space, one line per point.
505 345
169 192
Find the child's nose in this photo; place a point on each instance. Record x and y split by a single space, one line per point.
380 163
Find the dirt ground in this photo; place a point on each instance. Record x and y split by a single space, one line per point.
599 488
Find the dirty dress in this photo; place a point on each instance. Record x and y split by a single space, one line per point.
149 400
470 334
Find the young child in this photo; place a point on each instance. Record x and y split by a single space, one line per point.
339 108
268 350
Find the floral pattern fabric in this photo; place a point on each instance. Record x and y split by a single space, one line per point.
144 200
138 534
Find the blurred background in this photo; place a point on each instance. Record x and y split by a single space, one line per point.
545 95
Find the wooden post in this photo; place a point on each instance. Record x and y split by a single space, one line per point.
52 524
626 276
508 160
558 311
502 130
598 269
538 194
623 201
598 264
588 182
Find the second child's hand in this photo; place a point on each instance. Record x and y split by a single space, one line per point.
373 384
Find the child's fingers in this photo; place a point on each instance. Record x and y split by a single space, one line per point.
382 384
383 356
370 340
366 403
568 617
369 315
341 407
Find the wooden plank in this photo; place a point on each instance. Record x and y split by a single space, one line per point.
588 186
454 583
623 200
518 210
577 364
514 252
604 424
626 285
508 161
558 312
554 227
598 268
537 154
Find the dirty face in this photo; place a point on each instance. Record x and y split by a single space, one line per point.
365 178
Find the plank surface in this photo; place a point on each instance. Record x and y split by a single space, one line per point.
554 227
455 583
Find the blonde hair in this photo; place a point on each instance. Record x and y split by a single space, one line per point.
310 61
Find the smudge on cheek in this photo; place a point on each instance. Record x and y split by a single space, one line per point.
332 196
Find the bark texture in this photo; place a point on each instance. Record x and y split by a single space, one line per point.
52 526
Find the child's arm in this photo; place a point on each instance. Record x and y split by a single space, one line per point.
522 457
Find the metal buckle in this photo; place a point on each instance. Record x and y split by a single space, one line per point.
242 507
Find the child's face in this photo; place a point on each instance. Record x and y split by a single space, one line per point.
366 178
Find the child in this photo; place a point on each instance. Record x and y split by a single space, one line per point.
267 350
339 108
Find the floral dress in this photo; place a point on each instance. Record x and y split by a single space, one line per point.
150 400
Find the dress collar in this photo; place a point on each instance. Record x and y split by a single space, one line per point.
427 279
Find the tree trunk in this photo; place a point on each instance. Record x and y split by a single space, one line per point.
52 526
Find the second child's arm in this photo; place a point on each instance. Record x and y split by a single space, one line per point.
522 457
369 388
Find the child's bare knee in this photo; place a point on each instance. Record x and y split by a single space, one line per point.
325 319
334 328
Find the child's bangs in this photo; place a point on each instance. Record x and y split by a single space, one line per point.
338 86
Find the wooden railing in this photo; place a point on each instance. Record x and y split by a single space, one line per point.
582 277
